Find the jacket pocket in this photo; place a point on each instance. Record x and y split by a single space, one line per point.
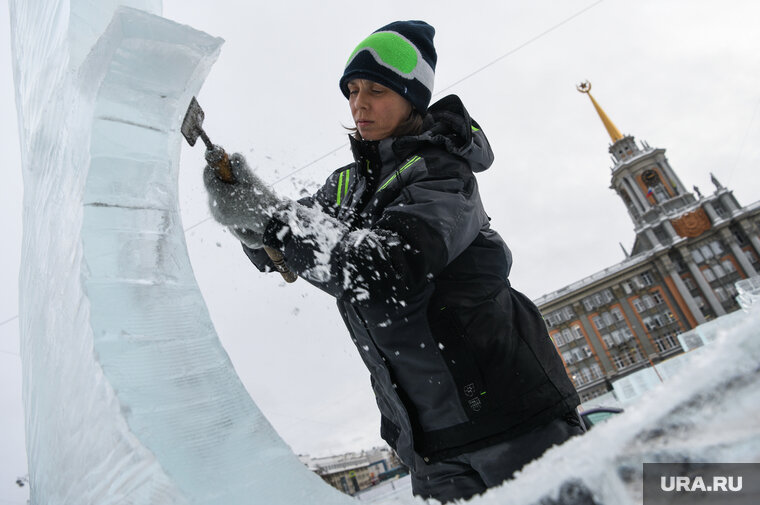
459 356
489 329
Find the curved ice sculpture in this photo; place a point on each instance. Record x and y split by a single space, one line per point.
129 395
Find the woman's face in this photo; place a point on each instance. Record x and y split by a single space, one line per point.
377 110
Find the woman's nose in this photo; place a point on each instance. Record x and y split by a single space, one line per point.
361 99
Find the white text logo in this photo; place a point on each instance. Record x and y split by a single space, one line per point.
698 484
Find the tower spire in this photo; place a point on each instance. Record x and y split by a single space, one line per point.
615 135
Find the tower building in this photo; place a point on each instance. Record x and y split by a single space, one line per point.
689 251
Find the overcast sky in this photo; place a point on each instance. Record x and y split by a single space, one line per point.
681 75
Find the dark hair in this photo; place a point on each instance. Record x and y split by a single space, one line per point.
412 125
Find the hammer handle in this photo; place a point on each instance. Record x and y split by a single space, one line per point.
223 169
279 263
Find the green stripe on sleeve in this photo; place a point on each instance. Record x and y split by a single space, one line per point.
340 187
412 161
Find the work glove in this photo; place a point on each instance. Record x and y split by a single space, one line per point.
247 237
245 205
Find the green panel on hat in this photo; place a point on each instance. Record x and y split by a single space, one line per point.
392 49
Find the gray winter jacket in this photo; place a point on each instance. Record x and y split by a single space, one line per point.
458 359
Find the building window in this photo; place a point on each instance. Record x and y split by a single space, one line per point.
617 314
719 209
598 322
647 278
578 354
568 357
648 301
634 356
697 256
718 270
566 335
618 360
608 341
660 193
617 337
689 283
716 247
638 305
728 266
708 274
586 374
739 236
627 288
721 294
596 371
607 318
750 256
558 340
706 251
657 297
577 331
666 342
671 339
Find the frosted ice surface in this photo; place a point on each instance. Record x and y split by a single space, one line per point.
129 396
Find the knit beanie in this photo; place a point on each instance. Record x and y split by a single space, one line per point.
400 56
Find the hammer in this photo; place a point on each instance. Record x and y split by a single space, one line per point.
192 128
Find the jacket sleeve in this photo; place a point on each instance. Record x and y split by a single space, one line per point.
433 215
320 200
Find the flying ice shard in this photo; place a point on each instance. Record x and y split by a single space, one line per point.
129 396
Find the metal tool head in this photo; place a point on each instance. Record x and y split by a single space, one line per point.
192 125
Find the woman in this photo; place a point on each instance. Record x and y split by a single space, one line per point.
468 383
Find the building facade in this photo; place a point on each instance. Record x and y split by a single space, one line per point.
688 252
353 472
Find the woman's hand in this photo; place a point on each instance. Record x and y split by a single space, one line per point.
245 204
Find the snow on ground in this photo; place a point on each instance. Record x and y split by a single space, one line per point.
706 413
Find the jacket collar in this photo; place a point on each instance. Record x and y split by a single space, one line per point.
379 152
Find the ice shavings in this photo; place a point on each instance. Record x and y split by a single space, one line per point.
318 229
